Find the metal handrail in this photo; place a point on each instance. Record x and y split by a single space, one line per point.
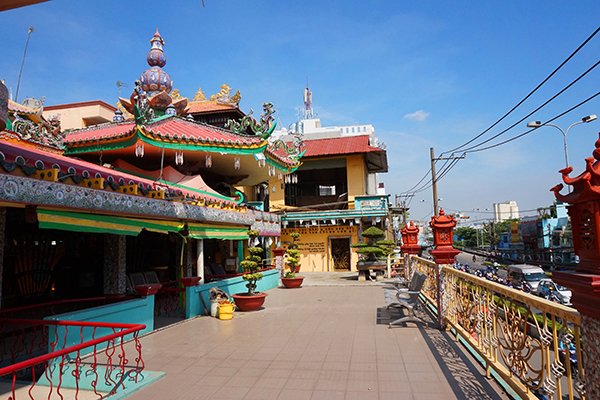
128 329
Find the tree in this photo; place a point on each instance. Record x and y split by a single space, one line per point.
467 236
251 265
374 247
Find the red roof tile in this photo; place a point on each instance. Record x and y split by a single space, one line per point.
106 131
190 131
338 146
172 129
196 107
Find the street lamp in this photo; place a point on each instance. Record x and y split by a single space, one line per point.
584 120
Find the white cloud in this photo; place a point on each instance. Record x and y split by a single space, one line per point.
419 115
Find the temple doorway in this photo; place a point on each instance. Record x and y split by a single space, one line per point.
340 253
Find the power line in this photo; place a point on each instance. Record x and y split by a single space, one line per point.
585 42
537 109
531 130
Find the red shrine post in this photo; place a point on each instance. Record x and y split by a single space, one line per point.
410 239
584 210
444 253
443 239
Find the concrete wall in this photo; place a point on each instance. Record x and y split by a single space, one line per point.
356 176
277 197
77 117
134 311
315 252
197 297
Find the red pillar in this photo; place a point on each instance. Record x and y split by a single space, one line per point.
584 210
444 253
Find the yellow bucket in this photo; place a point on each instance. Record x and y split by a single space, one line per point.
226 311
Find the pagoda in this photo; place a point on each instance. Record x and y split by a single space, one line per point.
153 191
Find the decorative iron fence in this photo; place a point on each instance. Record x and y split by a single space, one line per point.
62 359
533 344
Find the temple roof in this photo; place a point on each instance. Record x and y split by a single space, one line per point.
174 130
209 106
376 158
32 158
101 132
170 132
338 146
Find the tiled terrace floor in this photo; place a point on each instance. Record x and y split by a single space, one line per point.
322 341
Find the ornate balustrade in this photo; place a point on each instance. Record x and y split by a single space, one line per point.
533 344
78 357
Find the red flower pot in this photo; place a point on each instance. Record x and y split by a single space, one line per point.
292 283
246 302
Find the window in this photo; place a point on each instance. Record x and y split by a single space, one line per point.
326 190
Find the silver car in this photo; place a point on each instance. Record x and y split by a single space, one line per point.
551 290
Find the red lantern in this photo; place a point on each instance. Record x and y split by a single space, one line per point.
410 239
442 227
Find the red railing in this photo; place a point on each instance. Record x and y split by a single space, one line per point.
39 310
91 358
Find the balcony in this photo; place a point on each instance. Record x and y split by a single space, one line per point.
330 340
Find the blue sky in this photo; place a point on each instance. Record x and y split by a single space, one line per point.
425 74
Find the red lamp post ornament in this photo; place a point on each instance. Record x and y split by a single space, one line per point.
410 239
442 227
584 210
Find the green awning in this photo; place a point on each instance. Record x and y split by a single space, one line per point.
207 231
96 223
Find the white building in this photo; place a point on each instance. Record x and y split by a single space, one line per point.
506 210
310 128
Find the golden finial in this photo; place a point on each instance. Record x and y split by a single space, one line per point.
236 98
199 96
175 95
223 94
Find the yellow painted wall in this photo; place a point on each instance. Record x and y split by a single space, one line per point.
249 192
80 117
277 197
357 176
315 254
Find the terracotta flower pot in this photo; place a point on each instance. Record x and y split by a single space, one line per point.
292 283
246 302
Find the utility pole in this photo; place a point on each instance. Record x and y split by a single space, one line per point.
434 176
433 182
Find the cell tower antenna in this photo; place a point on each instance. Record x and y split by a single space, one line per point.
120 84
308 111
29 32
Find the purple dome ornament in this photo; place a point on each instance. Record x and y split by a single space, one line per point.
154 79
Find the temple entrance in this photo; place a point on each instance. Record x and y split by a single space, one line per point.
340 253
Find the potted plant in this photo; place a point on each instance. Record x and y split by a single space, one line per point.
251 300
290 280
371 252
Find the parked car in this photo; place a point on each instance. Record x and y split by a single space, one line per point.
519 273
551 290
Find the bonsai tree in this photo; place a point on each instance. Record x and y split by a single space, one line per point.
374 247
251 264
293 256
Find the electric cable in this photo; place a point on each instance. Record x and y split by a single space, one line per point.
536 110
533 129
585 42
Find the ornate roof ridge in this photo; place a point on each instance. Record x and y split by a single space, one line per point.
586 185
203 124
